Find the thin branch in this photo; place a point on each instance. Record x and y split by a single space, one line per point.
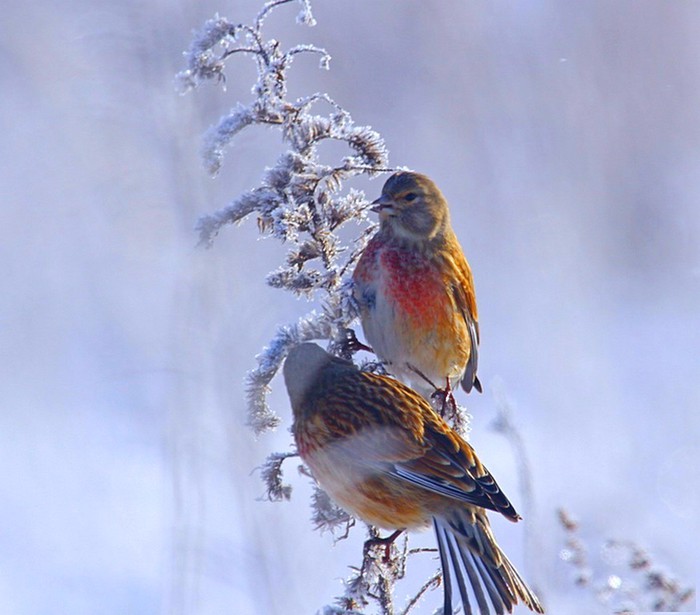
432 583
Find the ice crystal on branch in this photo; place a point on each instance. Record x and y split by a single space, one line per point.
383 565
300 199
314 326
271 473
327 515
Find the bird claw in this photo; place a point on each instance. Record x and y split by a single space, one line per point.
445 399
385 542
349 345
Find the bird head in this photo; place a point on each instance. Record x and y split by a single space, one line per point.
302 368
305 370
412 207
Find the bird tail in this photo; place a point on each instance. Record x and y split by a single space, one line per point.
482 573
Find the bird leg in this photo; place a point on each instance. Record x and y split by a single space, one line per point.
385 542
447 398
443 396
413 368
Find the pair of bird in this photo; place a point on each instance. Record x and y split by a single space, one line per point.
377 446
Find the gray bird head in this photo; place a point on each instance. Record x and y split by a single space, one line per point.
412 207
301 370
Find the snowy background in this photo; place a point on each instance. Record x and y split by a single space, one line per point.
564 135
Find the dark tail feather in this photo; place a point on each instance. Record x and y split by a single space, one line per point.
473 579
485 577
445 565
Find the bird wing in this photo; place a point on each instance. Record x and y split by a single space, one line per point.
416 445
450 467
465 299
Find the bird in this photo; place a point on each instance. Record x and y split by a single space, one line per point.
414 290
381 452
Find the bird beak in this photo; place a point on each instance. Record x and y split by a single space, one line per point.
383 202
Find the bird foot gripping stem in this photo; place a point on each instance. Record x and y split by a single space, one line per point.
385 542
446 399
349 344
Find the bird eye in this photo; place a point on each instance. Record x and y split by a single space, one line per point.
411 196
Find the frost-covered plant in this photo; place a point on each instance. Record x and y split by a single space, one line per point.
300 200
621 575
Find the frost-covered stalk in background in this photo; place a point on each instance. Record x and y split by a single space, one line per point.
621 575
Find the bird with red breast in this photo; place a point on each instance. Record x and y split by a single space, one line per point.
382 452
415 290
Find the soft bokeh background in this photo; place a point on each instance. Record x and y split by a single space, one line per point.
566 138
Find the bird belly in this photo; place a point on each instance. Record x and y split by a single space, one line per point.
414 324
366 493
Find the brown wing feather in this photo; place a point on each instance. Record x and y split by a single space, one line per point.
463 293
397 431
450 466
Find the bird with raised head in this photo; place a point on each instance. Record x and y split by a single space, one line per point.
415 290
382 453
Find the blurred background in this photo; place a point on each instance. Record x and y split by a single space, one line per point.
567 141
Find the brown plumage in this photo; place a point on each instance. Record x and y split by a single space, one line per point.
415 289
382 453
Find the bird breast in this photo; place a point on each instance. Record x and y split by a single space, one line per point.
346 471
408 315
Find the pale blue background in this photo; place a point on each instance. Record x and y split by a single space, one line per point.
566 138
